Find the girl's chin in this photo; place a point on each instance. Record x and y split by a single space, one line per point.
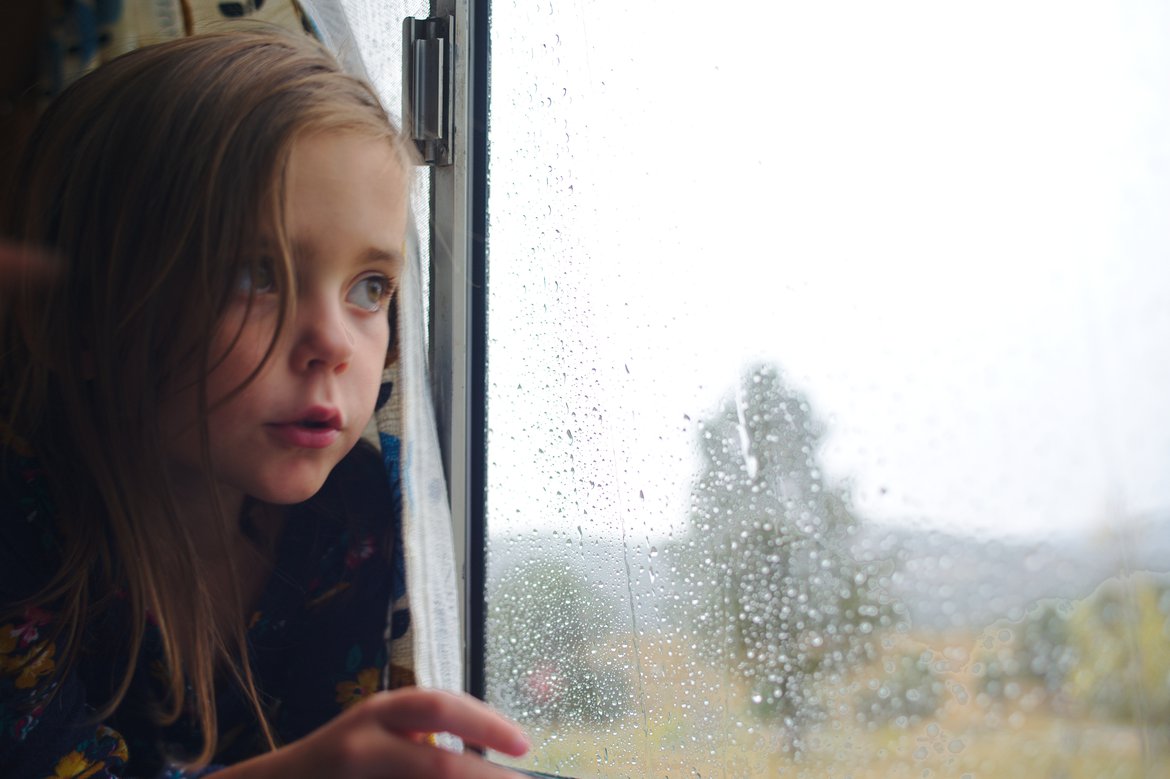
289 495
290 482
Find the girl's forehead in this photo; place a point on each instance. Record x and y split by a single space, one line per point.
346 196
343 153
338 162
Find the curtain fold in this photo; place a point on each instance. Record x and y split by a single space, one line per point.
432 579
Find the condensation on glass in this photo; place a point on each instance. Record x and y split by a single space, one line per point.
829 407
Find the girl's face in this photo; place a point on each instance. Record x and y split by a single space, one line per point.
279 438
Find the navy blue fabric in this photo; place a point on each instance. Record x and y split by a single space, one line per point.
317 638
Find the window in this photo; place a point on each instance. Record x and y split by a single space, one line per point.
826 388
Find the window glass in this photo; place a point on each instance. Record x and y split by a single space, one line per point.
828 418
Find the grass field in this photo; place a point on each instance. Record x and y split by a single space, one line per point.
697 721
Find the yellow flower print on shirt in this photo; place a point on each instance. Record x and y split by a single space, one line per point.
106 744
76 766
119 751
349 693
30 667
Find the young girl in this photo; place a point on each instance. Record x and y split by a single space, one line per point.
194 569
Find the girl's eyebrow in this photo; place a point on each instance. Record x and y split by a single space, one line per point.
372 254
375 254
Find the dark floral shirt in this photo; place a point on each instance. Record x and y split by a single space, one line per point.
317 641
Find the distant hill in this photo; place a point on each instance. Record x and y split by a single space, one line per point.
945 580
953 581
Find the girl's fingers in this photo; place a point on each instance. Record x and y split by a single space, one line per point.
434 711
376 740
386 757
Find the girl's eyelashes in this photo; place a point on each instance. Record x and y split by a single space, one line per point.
256 278
371 293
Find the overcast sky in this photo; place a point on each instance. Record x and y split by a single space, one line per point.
949 227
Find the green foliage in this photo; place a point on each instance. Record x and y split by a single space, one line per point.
1034 654
1105 657
1122 635
544 626
910 692
775 591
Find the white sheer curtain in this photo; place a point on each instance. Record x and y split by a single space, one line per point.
367 37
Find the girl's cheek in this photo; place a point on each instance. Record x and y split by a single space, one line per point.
377 331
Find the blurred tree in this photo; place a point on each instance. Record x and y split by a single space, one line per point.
1122 634
1039 655
775 592
545 623
909 693
1105 657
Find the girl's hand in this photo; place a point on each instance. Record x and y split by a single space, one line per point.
383 738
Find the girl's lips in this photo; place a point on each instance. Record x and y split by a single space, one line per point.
319 416
304 436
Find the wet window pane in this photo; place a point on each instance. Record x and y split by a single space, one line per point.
829 388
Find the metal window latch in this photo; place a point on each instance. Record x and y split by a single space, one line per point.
428 85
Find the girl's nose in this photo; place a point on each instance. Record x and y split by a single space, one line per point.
323 339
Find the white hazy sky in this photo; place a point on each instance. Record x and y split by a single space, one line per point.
947 225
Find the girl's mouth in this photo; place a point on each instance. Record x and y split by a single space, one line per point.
305 435
319 418
316 429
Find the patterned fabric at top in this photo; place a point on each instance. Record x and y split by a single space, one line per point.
316 638
83 34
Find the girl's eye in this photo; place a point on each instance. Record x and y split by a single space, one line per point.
256 278
370 293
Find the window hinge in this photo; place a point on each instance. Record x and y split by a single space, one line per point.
427 85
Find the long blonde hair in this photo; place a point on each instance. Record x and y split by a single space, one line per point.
148 178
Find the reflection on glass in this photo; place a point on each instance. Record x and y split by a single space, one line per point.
828 418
